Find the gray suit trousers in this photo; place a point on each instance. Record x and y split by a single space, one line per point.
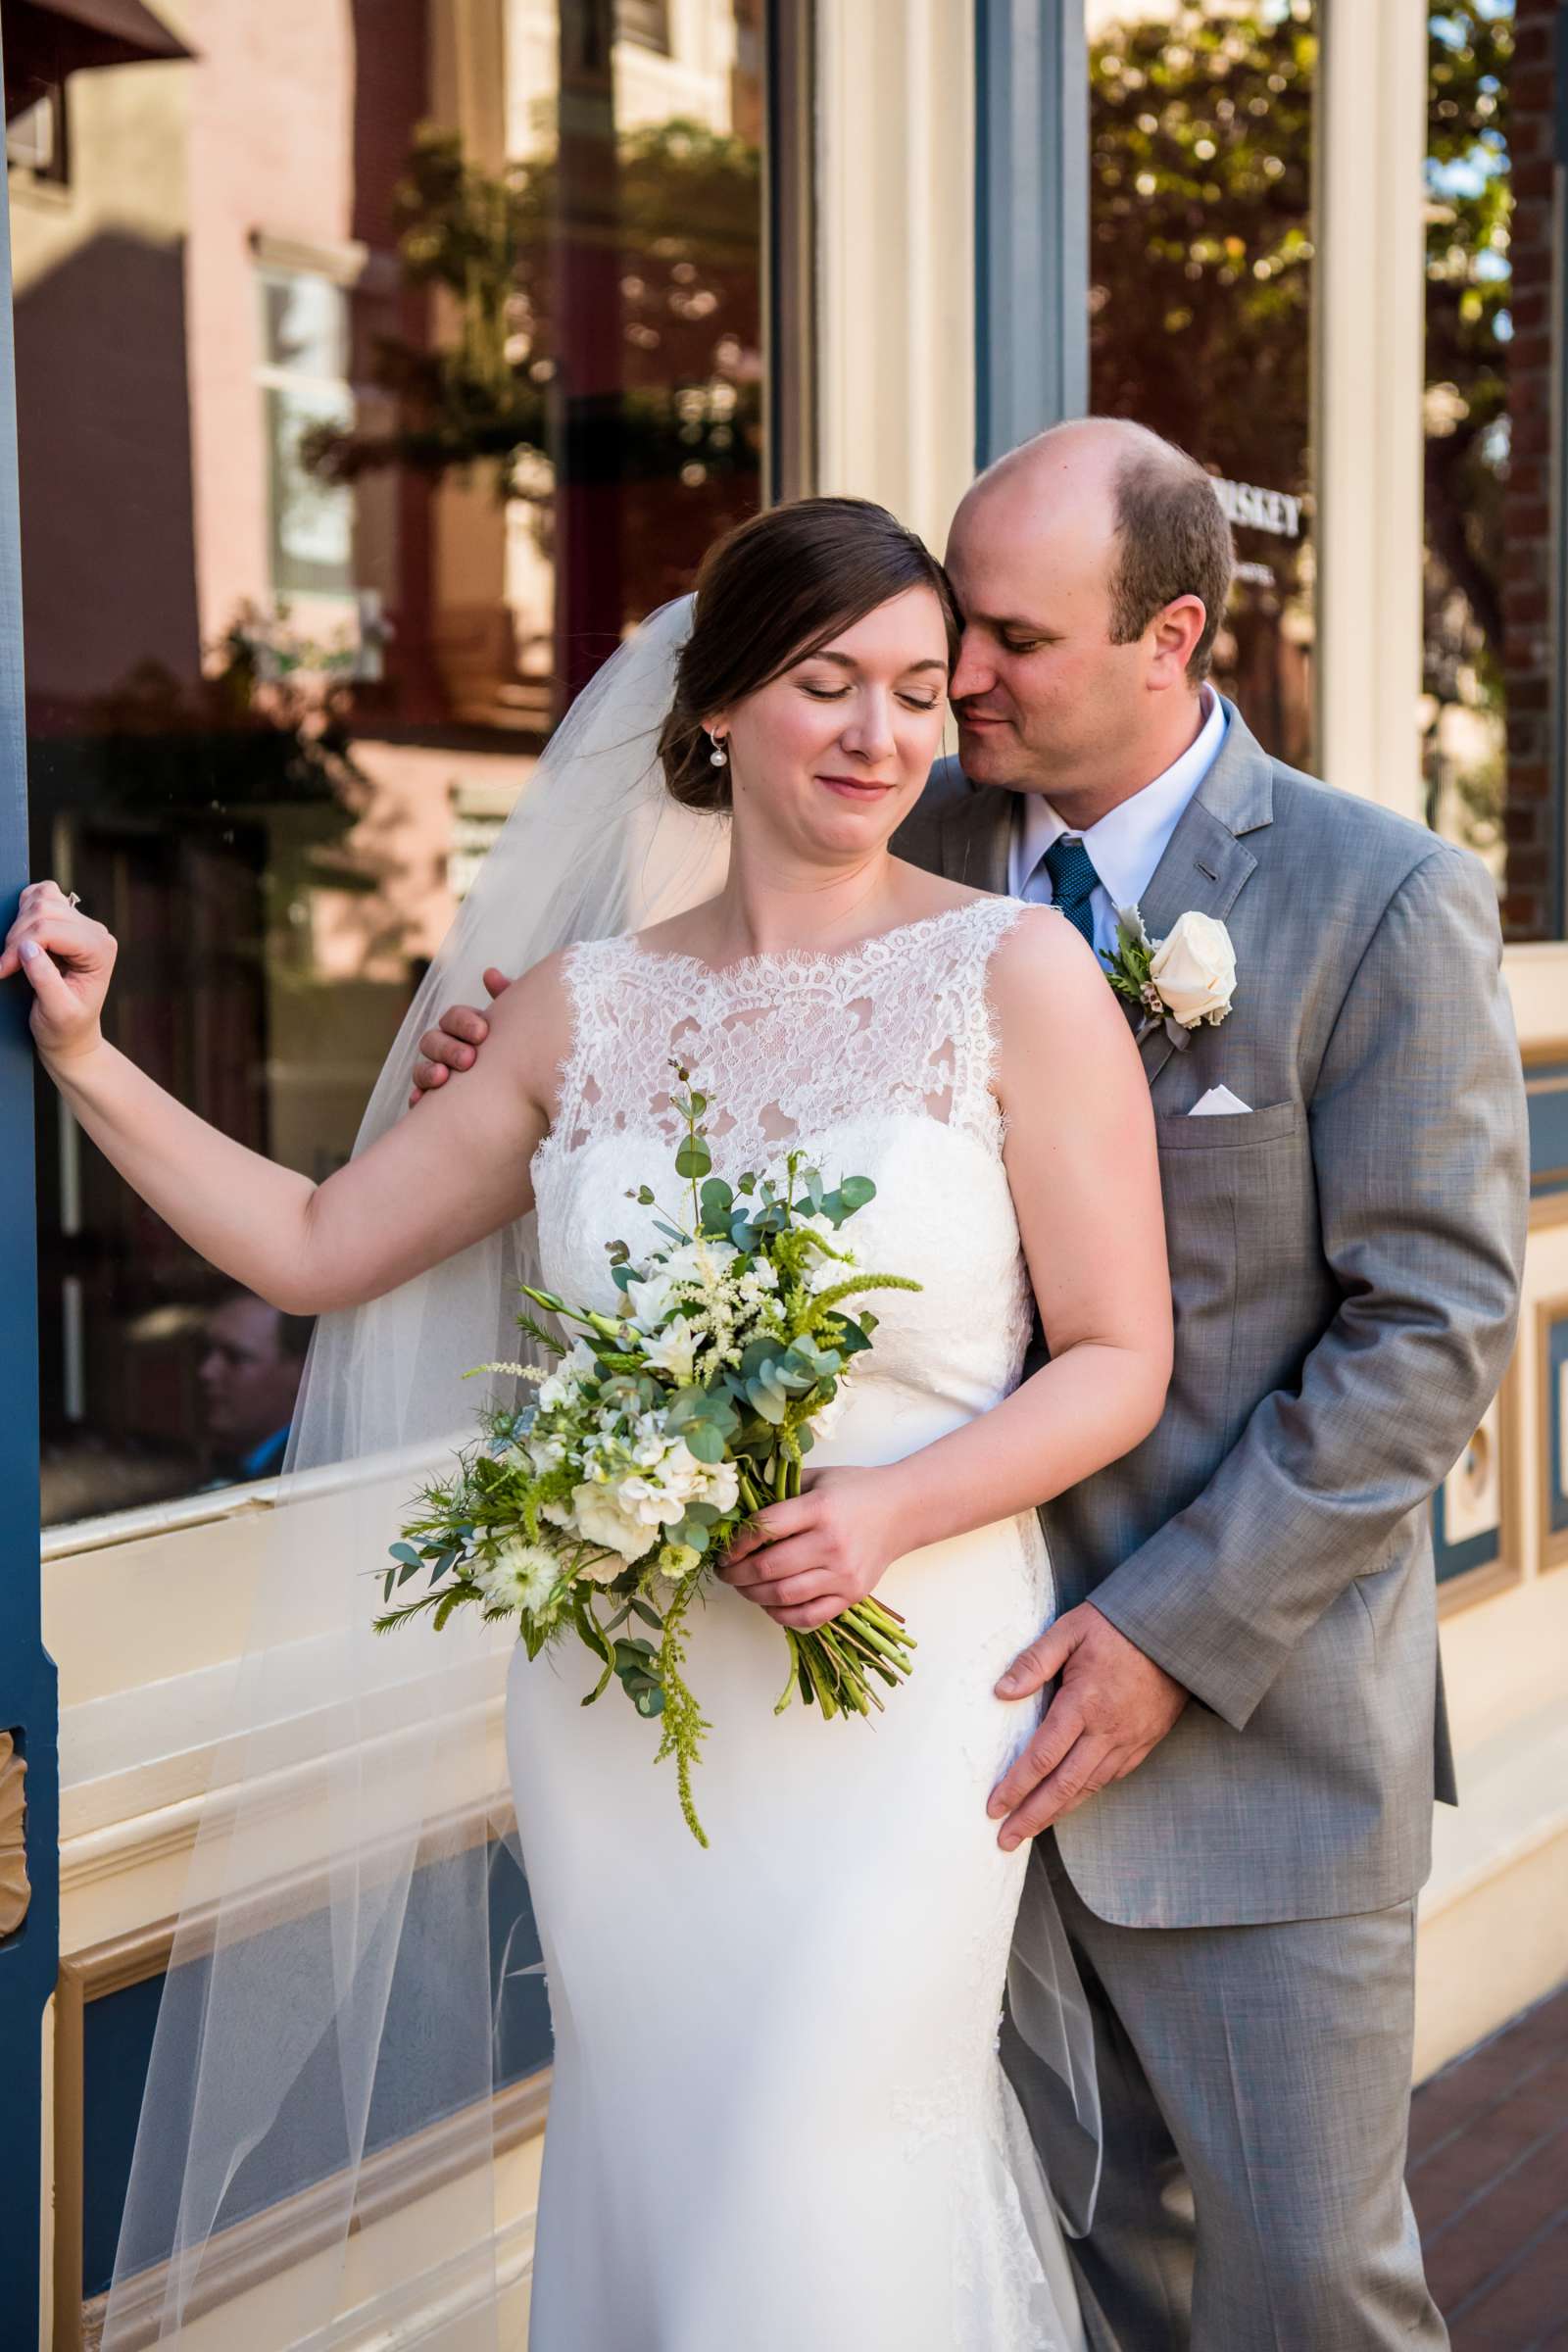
1259 2075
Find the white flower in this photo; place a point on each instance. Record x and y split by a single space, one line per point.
1195 970
602 1519
702 1263
673 1349
564 1382
521 1576
650 1502
825 1271
721 1487
651 1300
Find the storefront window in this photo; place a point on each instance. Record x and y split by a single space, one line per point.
1200 135
1489 683
379 363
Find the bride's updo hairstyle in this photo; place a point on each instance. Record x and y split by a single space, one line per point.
771 593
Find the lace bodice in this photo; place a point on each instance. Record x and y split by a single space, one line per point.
874 1061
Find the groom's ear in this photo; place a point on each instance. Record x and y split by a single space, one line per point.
1173 635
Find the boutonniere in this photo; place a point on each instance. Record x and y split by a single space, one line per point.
1184 980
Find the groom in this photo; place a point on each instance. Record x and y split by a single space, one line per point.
1231 1790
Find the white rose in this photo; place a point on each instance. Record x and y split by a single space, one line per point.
601 1520
1195 970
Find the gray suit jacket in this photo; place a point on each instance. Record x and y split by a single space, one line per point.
1346 1264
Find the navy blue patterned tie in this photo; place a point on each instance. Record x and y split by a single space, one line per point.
1073 882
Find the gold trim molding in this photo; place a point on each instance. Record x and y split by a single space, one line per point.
16 1893
1553 1542
1507 1569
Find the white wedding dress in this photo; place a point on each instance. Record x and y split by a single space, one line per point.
778 2119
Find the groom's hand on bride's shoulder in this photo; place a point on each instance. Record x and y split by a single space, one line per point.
456 1040
1112 1708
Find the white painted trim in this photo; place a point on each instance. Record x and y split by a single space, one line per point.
1370 326
895 253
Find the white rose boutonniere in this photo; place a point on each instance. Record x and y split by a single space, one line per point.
1184 980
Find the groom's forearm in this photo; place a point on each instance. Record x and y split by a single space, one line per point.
1421 1158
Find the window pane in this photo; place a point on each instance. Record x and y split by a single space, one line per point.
376 369
1200 136
1490 587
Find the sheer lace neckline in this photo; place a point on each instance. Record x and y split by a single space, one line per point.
789 1045
807 959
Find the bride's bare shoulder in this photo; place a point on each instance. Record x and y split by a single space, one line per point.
531 1027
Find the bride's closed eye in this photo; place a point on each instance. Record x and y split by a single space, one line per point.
836 694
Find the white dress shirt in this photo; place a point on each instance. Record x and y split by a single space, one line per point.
1128 843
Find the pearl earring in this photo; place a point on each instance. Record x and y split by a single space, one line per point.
718 757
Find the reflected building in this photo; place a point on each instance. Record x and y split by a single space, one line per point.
378 364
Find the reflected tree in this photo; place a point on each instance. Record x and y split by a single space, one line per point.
488 389
1201 272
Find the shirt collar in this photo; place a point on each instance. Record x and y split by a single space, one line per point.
1129 840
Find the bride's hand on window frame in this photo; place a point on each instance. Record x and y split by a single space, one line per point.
806 1561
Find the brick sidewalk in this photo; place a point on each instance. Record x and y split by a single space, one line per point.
1489 2178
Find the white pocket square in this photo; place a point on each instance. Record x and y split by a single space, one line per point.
1219 1103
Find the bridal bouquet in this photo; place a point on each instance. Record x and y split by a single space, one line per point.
599 1507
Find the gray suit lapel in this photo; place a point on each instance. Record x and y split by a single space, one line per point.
1206 862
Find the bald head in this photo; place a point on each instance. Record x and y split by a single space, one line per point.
1093 565
1084 457
1146 505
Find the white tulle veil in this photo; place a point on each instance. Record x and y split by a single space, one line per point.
334 2138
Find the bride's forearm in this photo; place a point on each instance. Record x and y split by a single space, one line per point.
239 1210
1083 1410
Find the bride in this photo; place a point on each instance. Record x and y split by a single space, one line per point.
777 2115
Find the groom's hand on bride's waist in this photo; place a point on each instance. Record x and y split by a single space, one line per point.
1112 1708
455 1041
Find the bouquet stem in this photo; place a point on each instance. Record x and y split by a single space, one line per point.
830 1664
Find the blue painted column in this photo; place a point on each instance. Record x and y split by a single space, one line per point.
1031 219
28 1708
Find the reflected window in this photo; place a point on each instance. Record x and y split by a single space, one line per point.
376 371
1489 683
304 379
1200 137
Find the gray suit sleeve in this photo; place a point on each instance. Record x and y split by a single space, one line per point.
1419 1148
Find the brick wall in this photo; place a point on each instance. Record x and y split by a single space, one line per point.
1533 811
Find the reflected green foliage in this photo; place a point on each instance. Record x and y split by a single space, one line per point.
1202 289
683 204
1201 232
1469 290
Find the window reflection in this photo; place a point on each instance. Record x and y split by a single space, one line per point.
1200 292
377 366
1490 584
